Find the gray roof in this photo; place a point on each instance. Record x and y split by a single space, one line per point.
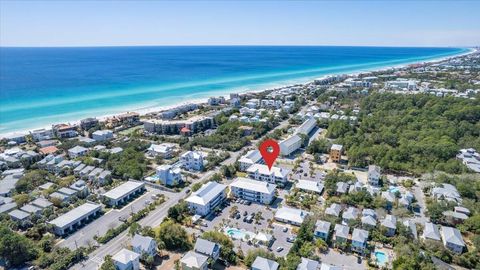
369 220
351 213
410 224
30 208
123 189
75 214
41 202
431 231
308 264
307 126
322 226
341 231
19 214
206 193
67 191
369 212
342 187
205 247
7 206
389 196
291 140
125 256
390 221
194 260
452 235
310 185
261 263
334 210
77 149
359 235
142 242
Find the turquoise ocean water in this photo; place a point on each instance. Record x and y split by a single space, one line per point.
42 86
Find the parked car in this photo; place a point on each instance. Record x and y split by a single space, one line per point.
291 239
245 213
279 249
248 202
285 229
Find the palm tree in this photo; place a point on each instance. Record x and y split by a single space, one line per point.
321 245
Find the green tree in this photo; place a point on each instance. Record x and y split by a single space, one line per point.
15 248
173 236
107 263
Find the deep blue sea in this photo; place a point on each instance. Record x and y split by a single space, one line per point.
42 86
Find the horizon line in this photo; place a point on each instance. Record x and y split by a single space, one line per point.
243 45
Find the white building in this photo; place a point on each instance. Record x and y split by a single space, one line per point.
163 150
126 260
207 198
307 126
77 151
373 175
401 84
75 218
310 186
291 215
102 135
192 160
290 145
169 175
250 158
42 134
123 193
252 190
262 173
144 245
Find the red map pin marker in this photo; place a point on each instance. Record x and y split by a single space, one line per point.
269 150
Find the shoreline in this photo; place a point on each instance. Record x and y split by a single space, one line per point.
202 100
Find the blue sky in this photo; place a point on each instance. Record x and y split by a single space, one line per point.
104 23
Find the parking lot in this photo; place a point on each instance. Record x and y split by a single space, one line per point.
280 232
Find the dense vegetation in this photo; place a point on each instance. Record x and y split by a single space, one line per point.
414 133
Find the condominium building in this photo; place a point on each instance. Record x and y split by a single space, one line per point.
207 198
290 145
253 190
261 172
250 158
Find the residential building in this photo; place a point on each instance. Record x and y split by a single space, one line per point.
123 193
144 245
81 188
452 239
42 134
374 175
31 209
341 235
322 229
65 131
342 188
207 248
253 190
207 198
291 215
310 186
88 123
359 240
290 145
390 223
193 160
390 198
169 175
42 203
333 210
164 150
350 214
307 126
447 192
74 218
21 217
250 158
470 158
6 204
430 232
261 263
102 135
126 260
308 264
194 261
77 151
336 152
274 175
190 126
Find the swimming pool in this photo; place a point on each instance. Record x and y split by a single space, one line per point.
381 257
239 234
393 189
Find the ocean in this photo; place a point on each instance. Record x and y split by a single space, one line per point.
43 86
